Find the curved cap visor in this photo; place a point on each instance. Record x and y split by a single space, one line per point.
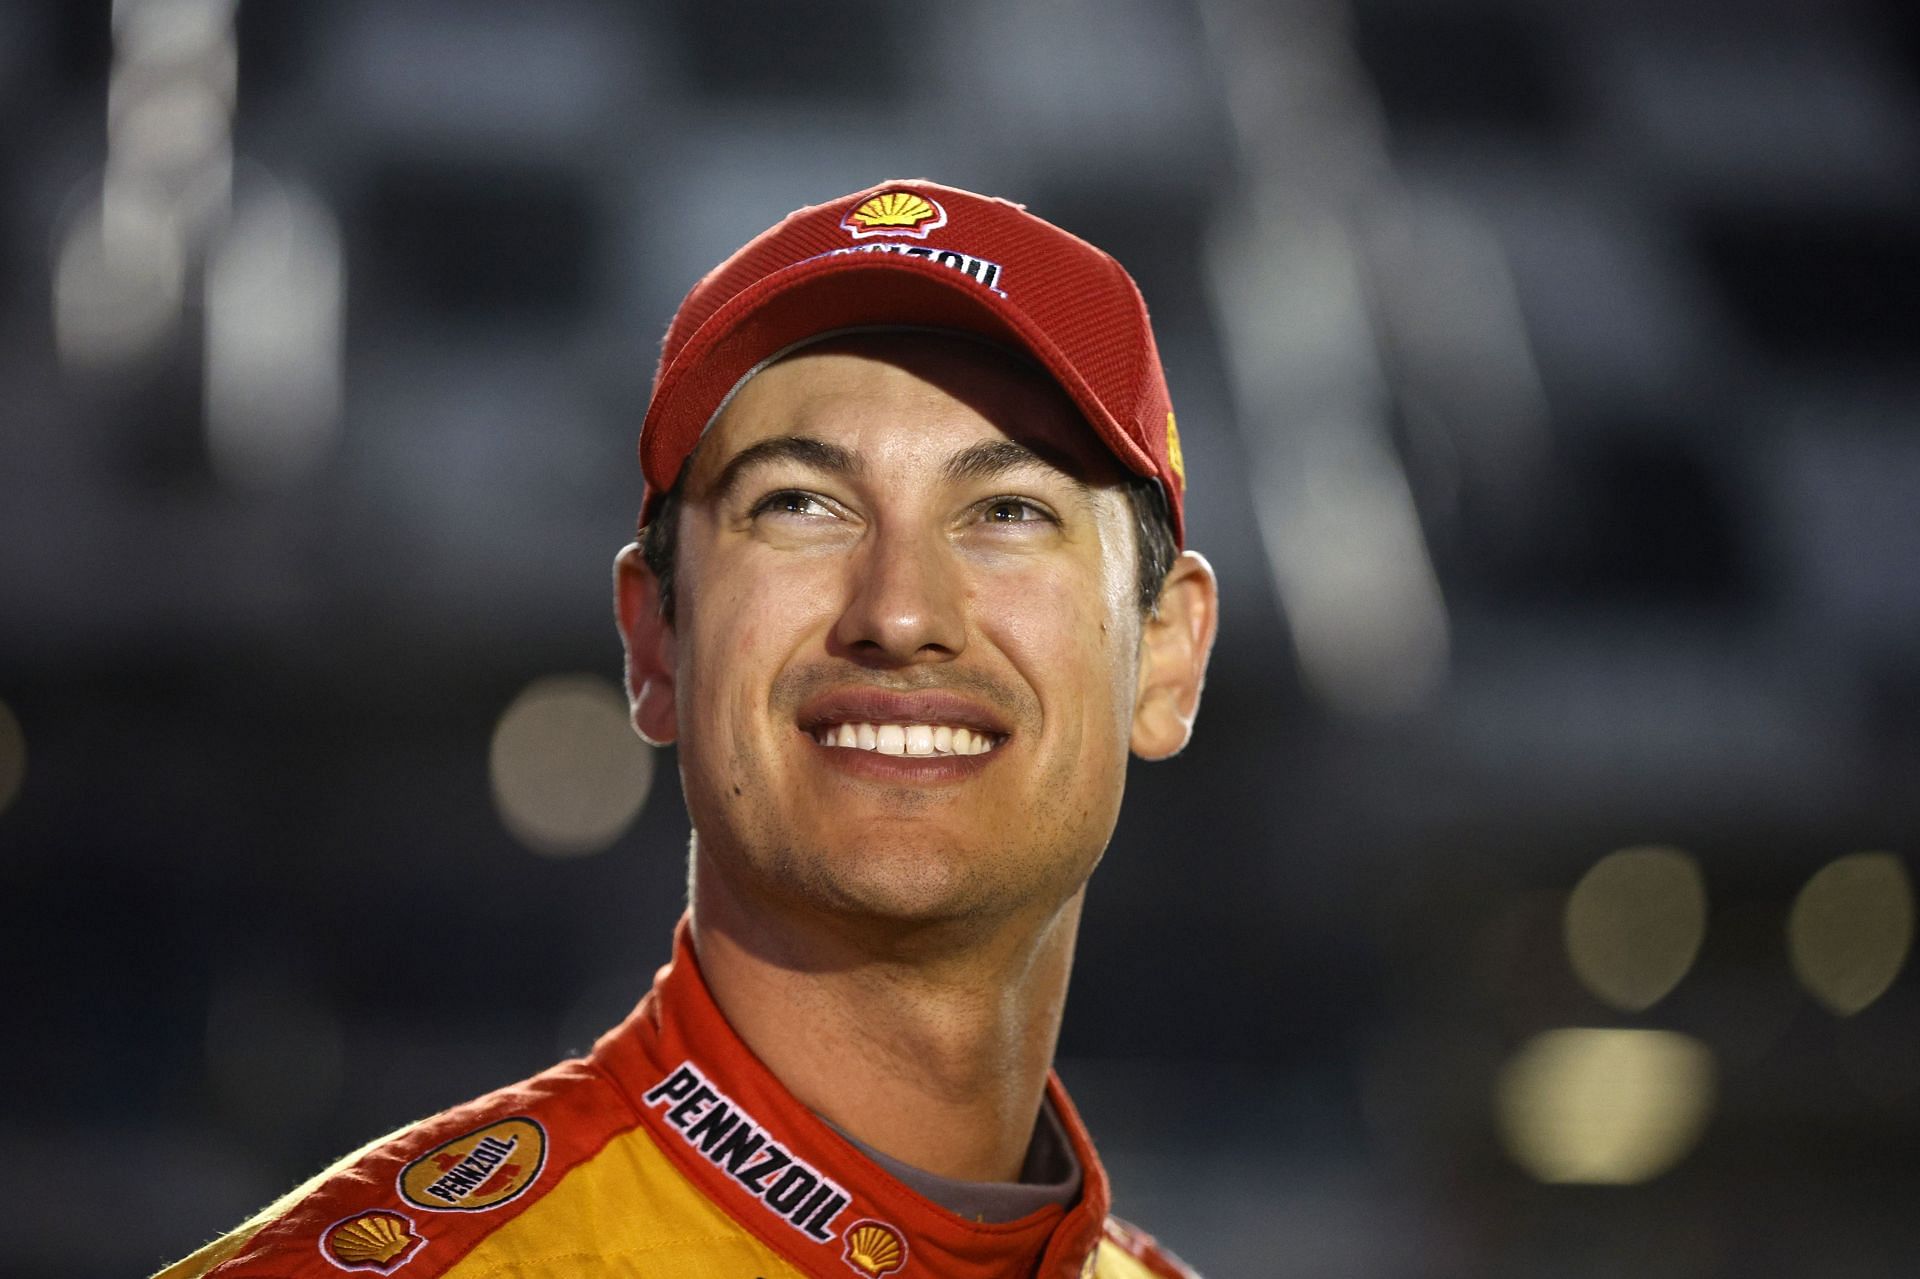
822 296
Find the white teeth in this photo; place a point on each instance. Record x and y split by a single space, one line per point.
907 739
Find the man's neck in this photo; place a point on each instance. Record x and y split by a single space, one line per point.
937 1057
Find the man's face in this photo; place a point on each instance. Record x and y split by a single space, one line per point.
906 644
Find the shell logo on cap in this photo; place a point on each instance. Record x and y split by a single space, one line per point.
895 213
1175 459
377 1240
875 1248
478 1170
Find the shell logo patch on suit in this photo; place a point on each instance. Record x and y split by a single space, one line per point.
875 1248
895 213
478 1170
378 1240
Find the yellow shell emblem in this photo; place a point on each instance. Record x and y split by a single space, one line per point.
875 1249
895 213
1175 458
371 1241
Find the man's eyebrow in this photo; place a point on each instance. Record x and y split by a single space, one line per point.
997 457
804 449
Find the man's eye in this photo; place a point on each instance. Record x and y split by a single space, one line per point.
1016 510
790 502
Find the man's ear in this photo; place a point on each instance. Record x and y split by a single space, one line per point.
649 641
1175 642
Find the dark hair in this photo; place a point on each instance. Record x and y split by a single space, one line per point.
1152 536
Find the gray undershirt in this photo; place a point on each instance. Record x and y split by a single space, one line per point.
1050 1175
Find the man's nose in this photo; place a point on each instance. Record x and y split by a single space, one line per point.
905 602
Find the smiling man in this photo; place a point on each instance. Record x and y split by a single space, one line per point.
907 593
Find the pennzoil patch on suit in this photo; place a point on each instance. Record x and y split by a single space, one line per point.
801 1196
478 1170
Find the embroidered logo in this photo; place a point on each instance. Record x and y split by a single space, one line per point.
874 1248
894 213
979 270
1175 458
478 1170
378 1240
713 1124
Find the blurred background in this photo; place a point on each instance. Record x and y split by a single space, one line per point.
1535 899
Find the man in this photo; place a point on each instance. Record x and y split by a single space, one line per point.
907 591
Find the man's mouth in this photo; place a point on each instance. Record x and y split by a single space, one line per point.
908 739
944 728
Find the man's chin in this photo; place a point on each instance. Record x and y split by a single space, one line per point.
906 885
881 874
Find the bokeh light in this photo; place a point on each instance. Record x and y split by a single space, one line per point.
568 773
275 301
1604 1106
1634 924
1850 930
13 756
123 266
115 294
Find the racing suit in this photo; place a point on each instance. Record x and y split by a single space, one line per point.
668 1151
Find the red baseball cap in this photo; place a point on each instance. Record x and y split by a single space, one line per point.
918 254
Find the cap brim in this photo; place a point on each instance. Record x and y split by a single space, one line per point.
826 295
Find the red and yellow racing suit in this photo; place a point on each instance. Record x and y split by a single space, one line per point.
668 1151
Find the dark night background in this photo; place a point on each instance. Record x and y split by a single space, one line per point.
1547 380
